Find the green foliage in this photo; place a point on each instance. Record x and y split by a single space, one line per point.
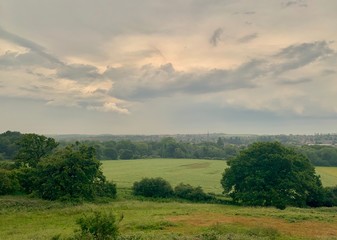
98 226
9 183
269 174
320 155
8 144
71 173
105 189
7 165
153 187
32 148
330 196
110 153
27 178
125 154
195 194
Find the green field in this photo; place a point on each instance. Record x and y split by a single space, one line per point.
204 173
23 218
328 175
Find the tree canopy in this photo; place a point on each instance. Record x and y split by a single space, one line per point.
270 174
71 173
33 147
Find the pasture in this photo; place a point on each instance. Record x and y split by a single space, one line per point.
204 173
23 218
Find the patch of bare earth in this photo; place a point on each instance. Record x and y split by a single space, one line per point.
196 165
300 229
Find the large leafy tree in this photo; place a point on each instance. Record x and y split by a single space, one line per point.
71 173
270 174
33 147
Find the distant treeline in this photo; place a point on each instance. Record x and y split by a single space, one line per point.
170 147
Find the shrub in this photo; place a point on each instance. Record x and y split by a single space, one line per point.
153 187
98 226
26 177
9 183
196 194
6 164
330 196
106 189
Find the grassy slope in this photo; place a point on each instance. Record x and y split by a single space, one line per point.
22 218
206 173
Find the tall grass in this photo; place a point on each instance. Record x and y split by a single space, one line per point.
25 218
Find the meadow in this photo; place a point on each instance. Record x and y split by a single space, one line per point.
23 218
204 173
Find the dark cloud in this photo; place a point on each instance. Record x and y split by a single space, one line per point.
34 47
327 72
30 58
295 81
299 55
297 3
79 72
216 37
164 81
248 38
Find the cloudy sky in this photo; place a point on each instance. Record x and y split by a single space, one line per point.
179 66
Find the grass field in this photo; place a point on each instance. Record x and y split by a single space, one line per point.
22 218
204 173
328 175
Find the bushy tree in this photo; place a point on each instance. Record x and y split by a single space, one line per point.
196 194
153 187
330 196
32 148
9 183
71 173
98 226
270 174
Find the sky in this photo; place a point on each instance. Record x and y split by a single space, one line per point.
168 67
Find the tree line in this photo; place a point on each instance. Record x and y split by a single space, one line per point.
169 147
263 174
46 170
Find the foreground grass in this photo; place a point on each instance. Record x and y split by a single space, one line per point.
204 173
24 218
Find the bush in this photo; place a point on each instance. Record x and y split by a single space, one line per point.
6 164
189 192
106 189
26 177
153 187
330 196
9 183
98 226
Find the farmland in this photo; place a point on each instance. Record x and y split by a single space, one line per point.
23 218
204 173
